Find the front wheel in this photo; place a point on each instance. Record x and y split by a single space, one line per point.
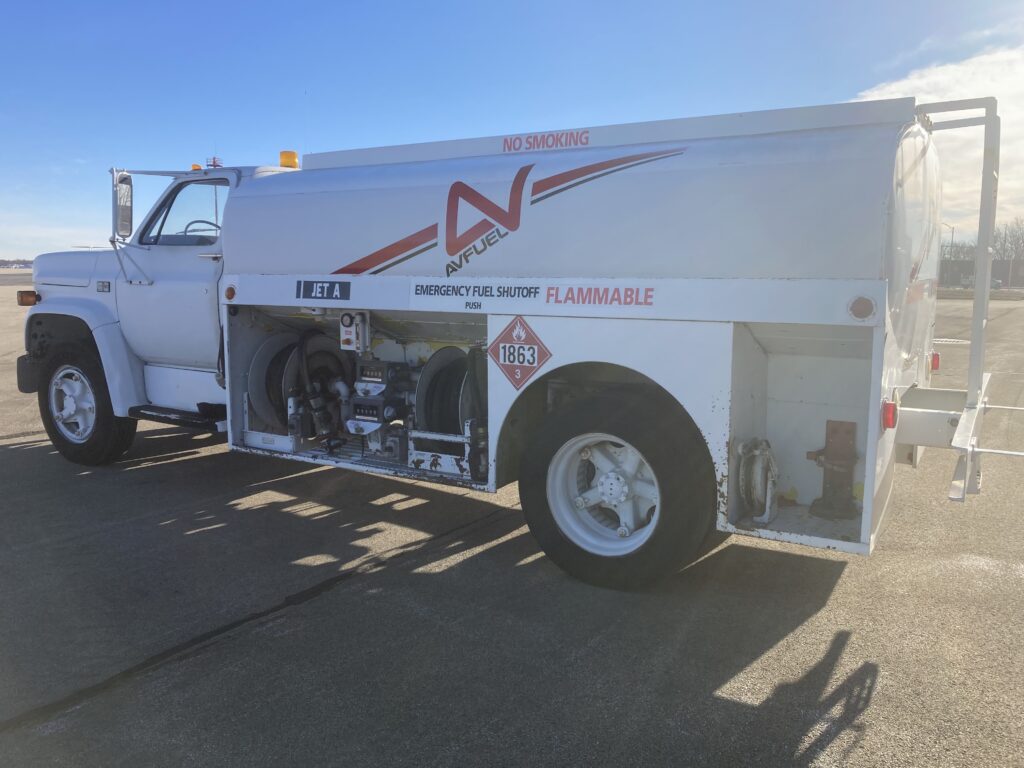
618 493
75 408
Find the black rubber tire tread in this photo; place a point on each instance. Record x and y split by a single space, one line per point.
126 429
677 453
112 435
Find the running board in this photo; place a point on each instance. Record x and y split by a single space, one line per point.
186 419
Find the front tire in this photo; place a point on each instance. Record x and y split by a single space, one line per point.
74 405
619 494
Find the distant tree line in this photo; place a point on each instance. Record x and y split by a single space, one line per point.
1007 257
1007 243
15 264
1008 240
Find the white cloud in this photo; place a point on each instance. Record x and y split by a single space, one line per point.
998 73
959 44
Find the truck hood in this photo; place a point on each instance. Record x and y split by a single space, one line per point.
72 268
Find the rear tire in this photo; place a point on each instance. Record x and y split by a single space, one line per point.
612 456
74 405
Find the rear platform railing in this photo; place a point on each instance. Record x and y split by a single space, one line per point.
928 423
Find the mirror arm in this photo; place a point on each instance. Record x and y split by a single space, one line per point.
146 279
117 253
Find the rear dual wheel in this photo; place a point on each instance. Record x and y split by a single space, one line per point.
618 493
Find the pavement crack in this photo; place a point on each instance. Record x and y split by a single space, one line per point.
185 649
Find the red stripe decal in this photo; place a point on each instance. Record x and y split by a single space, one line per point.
543 185
389 252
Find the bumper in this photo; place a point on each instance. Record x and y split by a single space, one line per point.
28 374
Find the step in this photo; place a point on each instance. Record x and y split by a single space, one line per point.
214 422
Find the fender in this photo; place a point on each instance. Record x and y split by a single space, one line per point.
121 367
91 312
705 398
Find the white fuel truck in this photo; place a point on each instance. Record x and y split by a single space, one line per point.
655 328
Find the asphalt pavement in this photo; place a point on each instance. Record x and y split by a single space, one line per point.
188 606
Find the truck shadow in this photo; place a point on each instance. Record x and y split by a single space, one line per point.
688 673
177 542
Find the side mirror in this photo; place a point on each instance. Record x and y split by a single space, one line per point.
123 205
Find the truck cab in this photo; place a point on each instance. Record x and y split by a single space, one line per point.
133 332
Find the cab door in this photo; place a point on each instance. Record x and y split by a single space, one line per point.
167 295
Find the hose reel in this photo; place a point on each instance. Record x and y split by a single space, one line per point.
758 477
276 372
443 401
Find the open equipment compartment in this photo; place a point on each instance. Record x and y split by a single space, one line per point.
398 389
805 389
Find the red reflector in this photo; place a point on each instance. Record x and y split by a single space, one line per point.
935 361
890 414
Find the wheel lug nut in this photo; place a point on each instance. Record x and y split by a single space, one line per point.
623 531
579 502
585 453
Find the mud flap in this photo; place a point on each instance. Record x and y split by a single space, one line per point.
28 375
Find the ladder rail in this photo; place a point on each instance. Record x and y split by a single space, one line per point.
967 475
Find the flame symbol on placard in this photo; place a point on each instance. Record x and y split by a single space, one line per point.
519 332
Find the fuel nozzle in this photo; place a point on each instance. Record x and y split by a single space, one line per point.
323 420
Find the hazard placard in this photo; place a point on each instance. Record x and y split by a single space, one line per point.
519 352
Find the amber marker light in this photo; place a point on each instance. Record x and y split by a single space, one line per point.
28 298
229 292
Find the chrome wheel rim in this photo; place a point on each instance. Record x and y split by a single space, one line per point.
72 404
603 494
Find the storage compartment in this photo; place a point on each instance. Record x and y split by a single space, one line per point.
395 392
805 390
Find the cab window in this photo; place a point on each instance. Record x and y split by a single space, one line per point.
190 216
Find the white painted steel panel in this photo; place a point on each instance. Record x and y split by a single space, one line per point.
748 406
802 204
711 126
804 393
821 302
173 320
69 268
182 388
686 348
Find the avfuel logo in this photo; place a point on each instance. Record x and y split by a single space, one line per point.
487 231
498 221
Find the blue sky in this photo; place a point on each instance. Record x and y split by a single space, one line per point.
164 85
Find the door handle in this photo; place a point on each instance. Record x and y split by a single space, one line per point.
210 256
